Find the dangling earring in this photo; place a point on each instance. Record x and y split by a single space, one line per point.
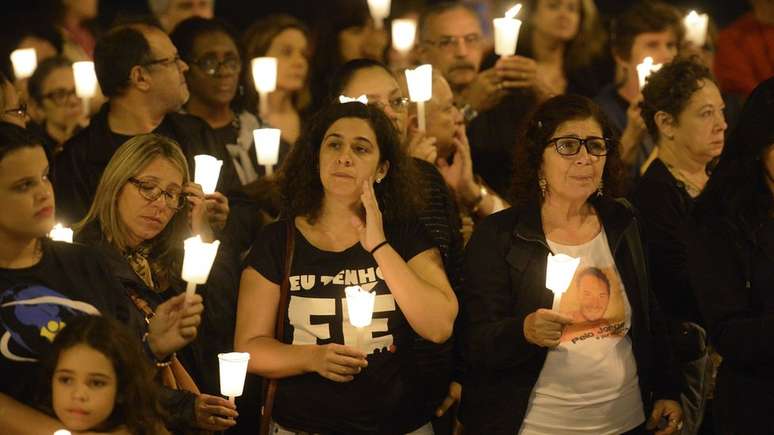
543 184
599 188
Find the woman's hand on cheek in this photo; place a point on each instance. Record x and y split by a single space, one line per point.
372 232
198 218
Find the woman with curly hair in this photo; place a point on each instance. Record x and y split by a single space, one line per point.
535 368
349 205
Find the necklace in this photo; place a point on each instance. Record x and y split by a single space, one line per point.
691 188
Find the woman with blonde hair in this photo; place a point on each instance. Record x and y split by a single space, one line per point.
145 205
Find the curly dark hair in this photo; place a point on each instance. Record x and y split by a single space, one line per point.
299 177
670 89
137 397
546 119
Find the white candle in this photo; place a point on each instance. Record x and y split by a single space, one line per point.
360 308
24 61
61 233
62 432
207 172
507 32
85 82
265 79
197 261
560 270
696 28
267 142
380 9
420 84
645 69
233 368
404 33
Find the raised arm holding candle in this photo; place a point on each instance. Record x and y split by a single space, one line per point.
24 61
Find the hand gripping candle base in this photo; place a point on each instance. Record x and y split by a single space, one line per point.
197 262
233 368
264 71
403 34
267 147
85 82
380 9
61 233
645 69
25 61
696 28
360 308
207 172
560 270
420 84
507 32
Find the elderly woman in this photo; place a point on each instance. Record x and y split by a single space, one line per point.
527 376
349 204
144 207
683 110
731 258
47 284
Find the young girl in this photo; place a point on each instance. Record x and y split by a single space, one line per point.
96 379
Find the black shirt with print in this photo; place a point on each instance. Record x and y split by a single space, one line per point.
317 315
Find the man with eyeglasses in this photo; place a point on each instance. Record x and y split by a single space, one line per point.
494 100
141 73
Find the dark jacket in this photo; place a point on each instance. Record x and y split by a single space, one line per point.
504 272
78 168
731 265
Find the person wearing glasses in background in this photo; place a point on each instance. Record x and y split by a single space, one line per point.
144 207
141 73
524 375
52 92
12 110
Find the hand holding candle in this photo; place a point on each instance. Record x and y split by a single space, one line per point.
560 270
233 368
696 28
645 69
507 32
267 142
380 9
264 71
420 84
61 233
197 261
25 61
360 308
207 172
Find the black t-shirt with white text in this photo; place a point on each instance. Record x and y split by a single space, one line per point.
317 315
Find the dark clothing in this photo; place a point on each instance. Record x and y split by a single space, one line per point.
316 316
731 265
78 169
665 207
505 271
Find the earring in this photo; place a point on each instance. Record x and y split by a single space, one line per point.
599 188
378 180
543 184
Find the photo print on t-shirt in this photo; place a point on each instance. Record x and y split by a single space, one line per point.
595 302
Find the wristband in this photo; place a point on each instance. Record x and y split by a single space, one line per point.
376 248
149 352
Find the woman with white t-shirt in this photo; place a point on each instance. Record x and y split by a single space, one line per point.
595 360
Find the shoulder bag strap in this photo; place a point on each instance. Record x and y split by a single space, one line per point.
279 328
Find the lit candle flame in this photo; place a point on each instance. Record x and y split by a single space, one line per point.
512 12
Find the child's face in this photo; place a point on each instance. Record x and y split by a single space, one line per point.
83 388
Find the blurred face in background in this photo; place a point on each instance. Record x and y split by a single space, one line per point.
291 49
179 10
443 117
83 9
382 90
214 71
59 104
362 42
453 43
557 19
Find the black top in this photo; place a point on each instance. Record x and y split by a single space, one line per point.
316 315
78 169
505 266
665 208
37 301
732 272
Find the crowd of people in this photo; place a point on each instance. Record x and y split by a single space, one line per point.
452 215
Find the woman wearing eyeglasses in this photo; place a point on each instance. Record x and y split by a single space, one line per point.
536 366
145 205
52 92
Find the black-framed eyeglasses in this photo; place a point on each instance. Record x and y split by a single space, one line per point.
570 145
450 42
211 65
174 60
19 112
151 191
60 96
398 104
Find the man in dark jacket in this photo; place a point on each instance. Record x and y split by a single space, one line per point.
139 70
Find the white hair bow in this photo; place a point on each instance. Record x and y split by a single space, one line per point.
361 99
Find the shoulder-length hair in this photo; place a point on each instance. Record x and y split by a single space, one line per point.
256 41
299 177
137 399
738 188
528 159
128 160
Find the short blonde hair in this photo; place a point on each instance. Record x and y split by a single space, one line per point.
128 160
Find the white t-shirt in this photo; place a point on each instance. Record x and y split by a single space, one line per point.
588 384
